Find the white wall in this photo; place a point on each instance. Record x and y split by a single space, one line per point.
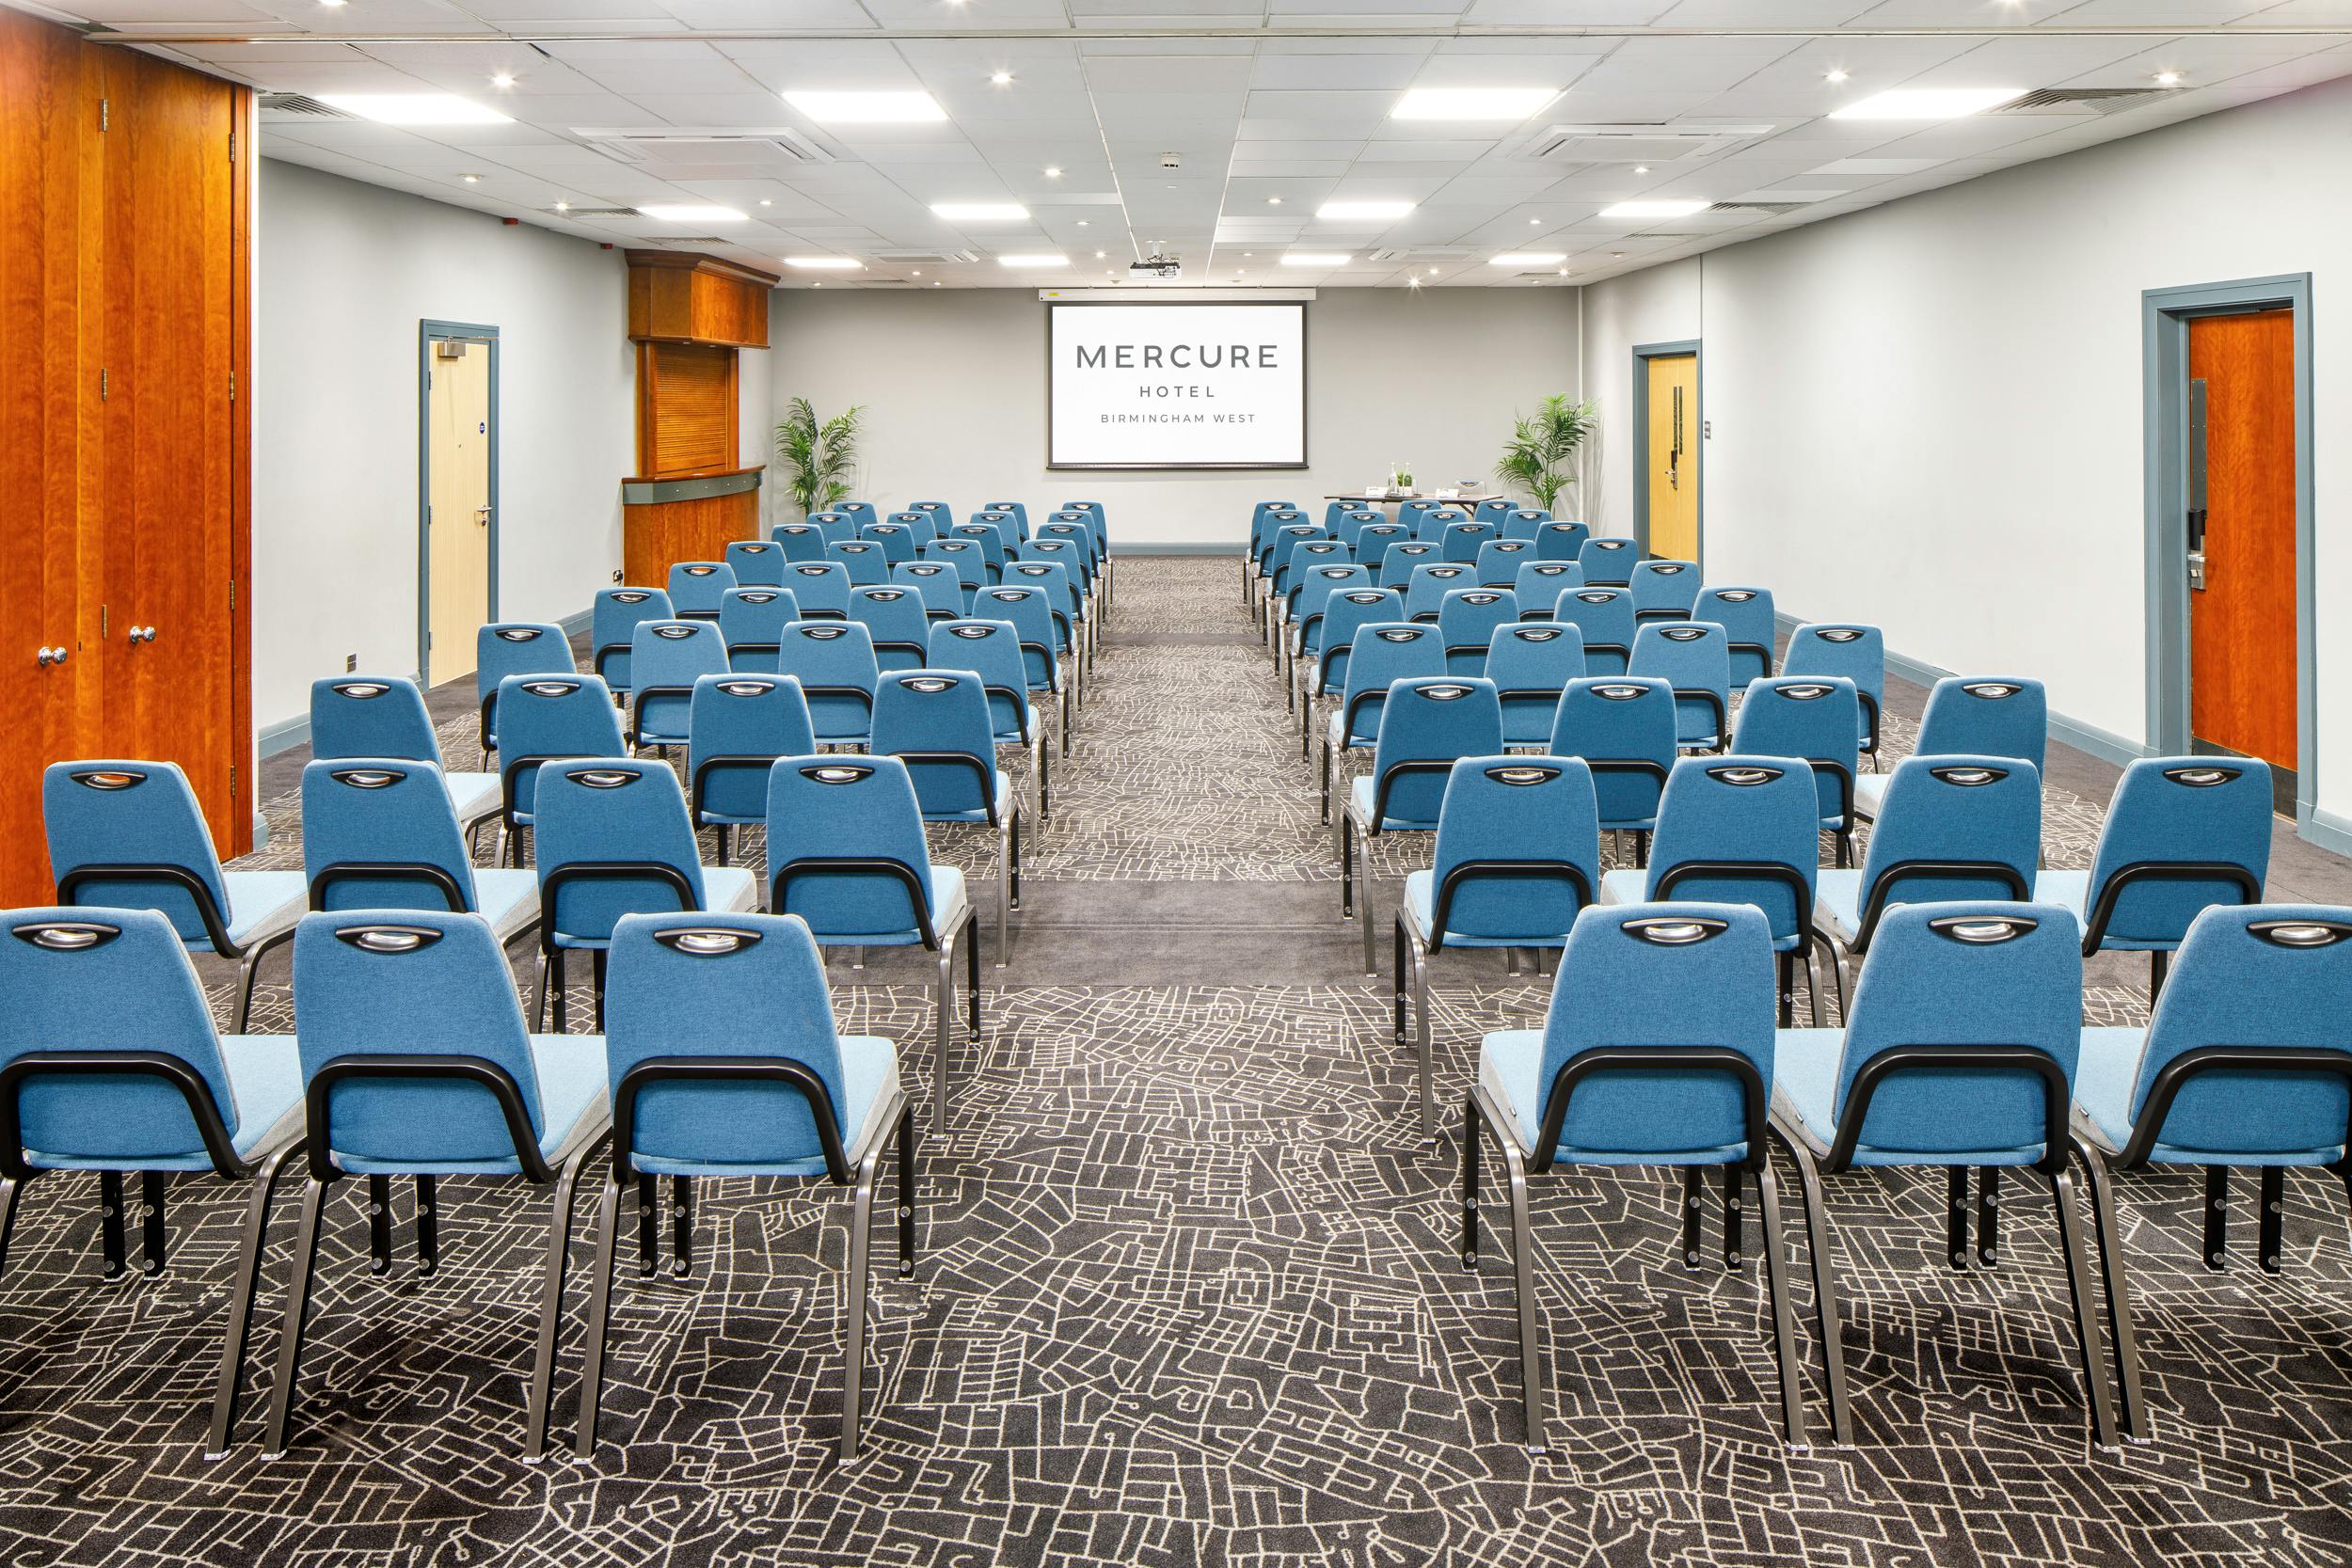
954 382
346 273
1928 414
1660 305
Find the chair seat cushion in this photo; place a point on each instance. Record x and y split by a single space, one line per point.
474 797
262 904
1331 734
1421 892
1837 902
1626 885
1004 805
1805 1064
574 1100
1511 1061
2105 1076
1869 793
870 1082
265 1084
507 898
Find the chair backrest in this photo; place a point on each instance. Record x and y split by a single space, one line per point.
1965 973
994 533
835 662
1609 560
939 581
613 622
382 812
1433 524
1605 615
1813 717
105 813
2259 977
1494 509
845 808
1624 726
1410 513
504 649
1523 523
738 715
1070 554
865 560
1261 521
1964 810
833 525
1401 559
1348 609
418 983
1749 628
543 717
1303 554
1283 527
1743 809
1312 595
1540 583
1384 653
798 541
940 512
990 649
74 979
1030 609
1018 511
859 512
1856 652
1430 581
894 614
1661 975
1986 716
1076 529
1497 564
1347 521
1053 577
897 540
963 553
695 587
1691 655
1372 541
666 658
1664 588
1427 724
821 588
755 562
601 815
685 986
751 620
919 525
1467 619
1463 540
937 723
2180 812
1561 541
1509 811
371 716
1534 659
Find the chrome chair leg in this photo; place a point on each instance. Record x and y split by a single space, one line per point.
1523 1265
1784 1319
2086 1321
2107 1228
599 1316
1826 1326
861 1230
241 1291
552 1298
1419 958
297 1307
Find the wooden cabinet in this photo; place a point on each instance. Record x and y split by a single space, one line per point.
676 296
690 315
125 188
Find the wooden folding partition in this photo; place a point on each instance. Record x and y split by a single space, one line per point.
690 496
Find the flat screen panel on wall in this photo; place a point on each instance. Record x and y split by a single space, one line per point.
1176 386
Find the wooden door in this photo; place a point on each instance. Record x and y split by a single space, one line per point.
457 528
2242 622
1673 461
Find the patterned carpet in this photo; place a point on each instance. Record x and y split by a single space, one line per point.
1189 1295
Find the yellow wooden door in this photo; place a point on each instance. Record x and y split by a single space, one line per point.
1673 470
458 526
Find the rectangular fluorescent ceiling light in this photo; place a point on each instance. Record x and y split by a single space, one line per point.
1662 208
414 108
980 212
1529 258
1925 102
1314 259
1333 211
1471 103
1032 260
824 264
867 108
691 211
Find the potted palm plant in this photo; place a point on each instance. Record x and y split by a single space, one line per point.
818 458
1540 456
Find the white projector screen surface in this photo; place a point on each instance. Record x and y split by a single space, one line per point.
1176 386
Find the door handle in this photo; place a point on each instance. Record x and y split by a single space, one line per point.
50 656
142 634
481 517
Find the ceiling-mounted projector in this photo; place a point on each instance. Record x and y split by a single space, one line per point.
1158 265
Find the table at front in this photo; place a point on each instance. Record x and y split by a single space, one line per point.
1467 503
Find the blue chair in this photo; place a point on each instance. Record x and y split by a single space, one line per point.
1960 1051
1742 829
1856 652
1401 559
1494 509
740 726
846 853
1463 540
2243 1063
1539 584
1372 542
1749 628
612 623
1663 590
666 658
1524 523
1689 656
1796 715
109 1062
992 651
1310 599
1347 522
1467 619
1070 622
1518 856
865 561
1262 521
993 532
922 526
549 718
1345 612
2180 833
897 537
1018 512
1044 636
1432 525
1982 716
1499 560
798 541
1413 513
834 525
1604 616
940 512
1624 729
689 1100
751 622
894 615
1282 529
1608 561
1532 664
1656 1051
377 834
416 1062
820 589
757 564
937 723
696 587
833 661
614 839
969 560
1426 725
1283 609
1958 828
1426 590
1563 541
504 649
1382 652
861 513
940 583
384 716
1066 554
130 836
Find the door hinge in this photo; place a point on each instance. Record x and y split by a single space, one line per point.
232 594
101 623
104 384
104 112
233 385
233 781
233 147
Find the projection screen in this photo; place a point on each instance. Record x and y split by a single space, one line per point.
1175 385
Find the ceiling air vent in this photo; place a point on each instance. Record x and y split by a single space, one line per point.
1425 253
940 256
593 213
2081 101
641 144
1769 209
1636 143
297 103
1664 234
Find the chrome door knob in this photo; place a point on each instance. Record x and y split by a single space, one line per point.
50 656
142 634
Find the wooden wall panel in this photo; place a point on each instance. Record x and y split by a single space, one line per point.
657 535
676 296
686 409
